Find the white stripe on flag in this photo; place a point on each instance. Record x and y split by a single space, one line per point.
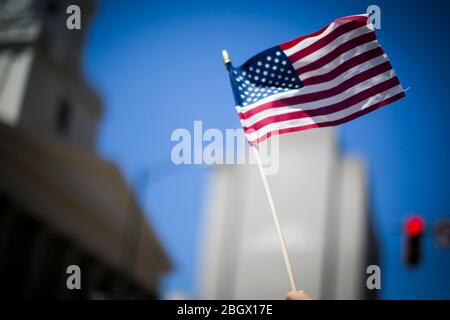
308 41
253 136
317 104
316 55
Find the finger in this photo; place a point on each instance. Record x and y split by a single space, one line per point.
298 295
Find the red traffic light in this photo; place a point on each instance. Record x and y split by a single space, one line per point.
414 229
414 226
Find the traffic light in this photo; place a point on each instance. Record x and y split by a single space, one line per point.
414 228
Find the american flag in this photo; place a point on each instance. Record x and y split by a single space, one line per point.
322 79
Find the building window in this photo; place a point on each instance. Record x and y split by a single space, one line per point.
63 114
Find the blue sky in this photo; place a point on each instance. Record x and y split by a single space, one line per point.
157 65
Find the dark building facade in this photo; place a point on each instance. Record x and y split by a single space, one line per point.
60 203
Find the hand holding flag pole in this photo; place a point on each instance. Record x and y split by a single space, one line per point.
287 261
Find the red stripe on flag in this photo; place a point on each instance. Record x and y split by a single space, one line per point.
347 65
322 42
293 43
309 97
365 38
357 98
331 123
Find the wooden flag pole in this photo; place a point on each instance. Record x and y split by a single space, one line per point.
287 261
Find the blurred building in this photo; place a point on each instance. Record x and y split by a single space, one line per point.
60 204
322 201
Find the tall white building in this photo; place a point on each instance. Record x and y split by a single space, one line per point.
322 200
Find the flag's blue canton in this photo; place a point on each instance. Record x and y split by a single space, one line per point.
267 73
